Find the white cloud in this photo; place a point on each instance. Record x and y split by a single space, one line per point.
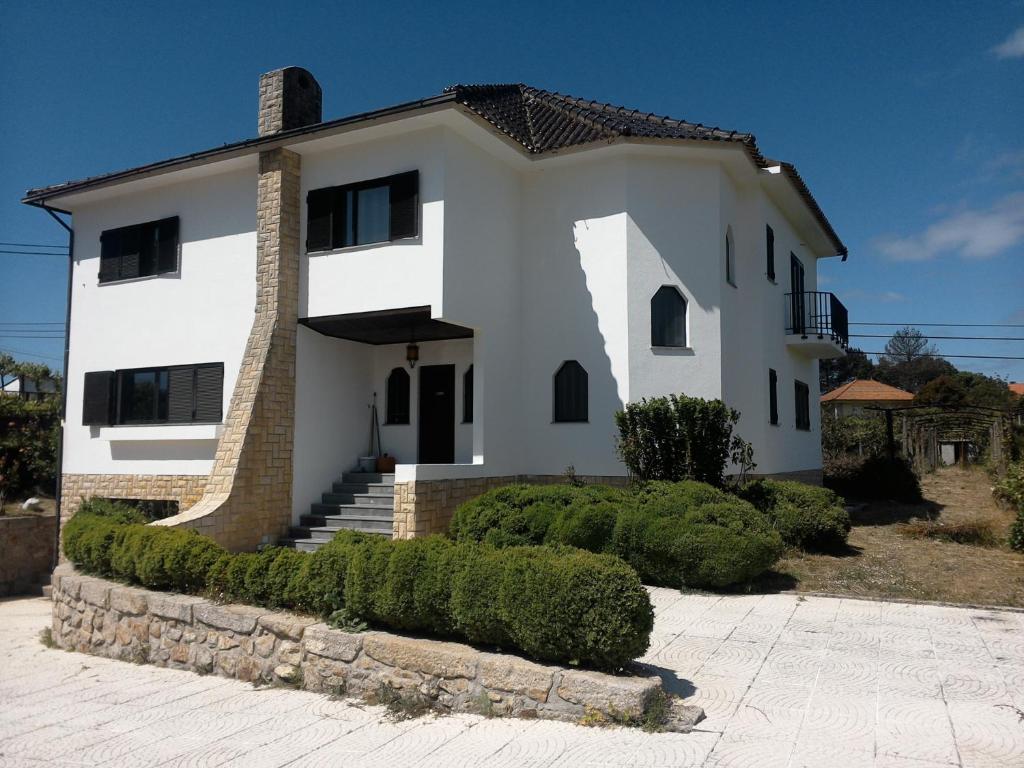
1012 47
979 233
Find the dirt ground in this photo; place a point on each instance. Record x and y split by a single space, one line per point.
882 561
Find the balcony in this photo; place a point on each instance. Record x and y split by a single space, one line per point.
816 324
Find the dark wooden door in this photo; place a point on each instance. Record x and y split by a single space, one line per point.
798 309
437 414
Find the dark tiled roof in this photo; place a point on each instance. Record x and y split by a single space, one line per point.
540 121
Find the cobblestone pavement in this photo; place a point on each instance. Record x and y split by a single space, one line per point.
786 681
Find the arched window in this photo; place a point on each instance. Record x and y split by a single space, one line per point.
398 397
730 258
668 318
571 392
467 396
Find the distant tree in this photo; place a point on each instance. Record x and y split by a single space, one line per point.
908 344
840 370
966 388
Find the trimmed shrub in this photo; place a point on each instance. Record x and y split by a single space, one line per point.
876 477
1011 491
668 532
559 604
806 516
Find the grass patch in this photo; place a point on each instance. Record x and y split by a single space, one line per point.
46 638
979 533
400 705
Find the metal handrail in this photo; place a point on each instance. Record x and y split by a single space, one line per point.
817 313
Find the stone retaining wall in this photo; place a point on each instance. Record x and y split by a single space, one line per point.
105 618
26 552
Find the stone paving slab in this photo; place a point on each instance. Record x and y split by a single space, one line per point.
785 681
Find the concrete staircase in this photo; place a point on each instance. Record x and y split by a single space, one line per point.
360 501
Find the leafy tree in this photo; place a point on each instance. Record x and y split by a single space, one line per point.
965 388
29 431
910 361
908 344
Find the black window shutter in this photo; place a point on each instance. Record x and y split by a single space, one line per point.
110 255
668 318
131 249
180 394
167 245
405 209
770 246
319 203
397 397
571 396
773 396
97 400
209 392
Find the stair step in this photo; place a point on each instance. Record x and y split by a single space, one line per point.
360 499
338 522
324 533
368 477
372 489
359 510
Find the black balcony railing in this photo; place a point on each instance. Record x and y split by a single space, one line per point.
817 313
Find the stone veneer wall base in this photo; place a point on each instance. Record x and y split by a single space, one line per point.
105 618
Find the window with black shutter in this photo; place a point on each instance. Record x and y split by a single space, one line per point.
374 211
141 250
668 318
773 396
730 259
178 394
571 392
770 251
467 396
97 404
397 397
803 405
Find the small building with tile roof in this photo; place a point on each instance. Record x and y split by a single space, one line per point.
852 398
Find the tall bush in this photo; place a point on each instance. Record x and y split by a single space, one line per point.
1011 490
680 438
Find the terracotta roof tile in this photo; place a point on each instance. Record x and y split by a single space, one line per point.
1017 387
865 389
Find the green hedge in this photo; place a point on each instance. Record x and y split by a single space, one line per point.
562 605
876 477
1011 490
805 516
673 534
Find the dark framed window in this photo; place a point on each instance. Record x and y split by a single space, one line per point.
769 245
397 401
467 396
178 394
802 397
773 396
374 211
730 260
668 318
141 250
571 393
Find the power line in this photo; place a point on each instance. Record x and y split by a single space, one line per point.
33 322
976 357
35 253
945 325
34 245
963 338
30 354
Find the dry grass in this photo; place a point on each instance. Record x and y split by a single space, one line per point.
884 561
13 508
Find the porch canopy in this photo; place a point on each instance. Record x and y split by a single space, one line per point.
389 326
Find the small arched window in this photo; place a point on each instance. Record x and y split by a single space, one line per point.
730 258
467 396
398 397
668 318
571 392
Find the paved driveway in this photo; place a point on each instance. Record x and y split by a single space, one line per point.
785 681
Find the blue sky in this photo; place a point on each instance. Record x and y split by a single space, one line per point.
906 119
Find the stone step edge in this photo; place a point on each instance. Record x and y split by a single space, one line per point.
260 645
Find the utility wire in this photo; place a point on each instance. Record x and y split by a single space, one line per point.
33 322
962 338
35 253
30 354
34 245
945 325
976 357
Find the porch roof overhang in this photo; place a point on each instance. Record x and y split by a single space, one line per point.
389 326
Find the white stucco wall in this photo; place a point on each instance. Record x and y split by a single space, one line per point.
201 314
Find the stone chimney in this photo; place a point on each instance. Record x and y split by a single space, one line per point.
289 98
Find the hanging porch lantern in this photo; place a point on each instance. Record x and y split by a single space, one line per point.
412 353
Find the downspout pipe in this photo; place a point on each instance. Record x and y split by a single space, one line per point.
64 384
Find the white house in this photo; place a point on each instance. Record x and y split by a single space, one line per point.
545 259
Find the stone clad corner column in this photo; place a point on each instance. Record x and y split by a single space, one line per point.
247 499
